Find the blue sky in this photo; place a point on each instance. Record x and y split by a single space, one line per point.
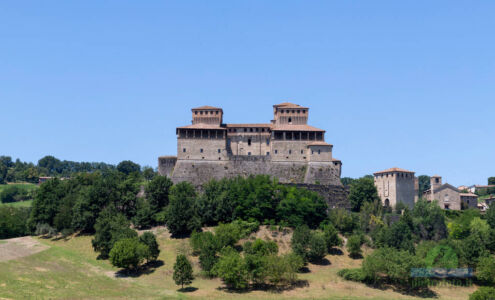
394 83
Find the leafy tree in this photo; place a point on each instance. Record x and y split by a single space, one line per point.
128 253
347 181
260 247
398 236
331 237
149 239
110 227
227 235
282 269
215 203
13 221
491 180
300 206
47 202
471 249
317 247
181 215
354 246
490 216
183 272
429 221
148 173
232 269
127 167
157 193
343 220
483 293
485 271
362 190
300 241
144 214
13 193
51 164
424 183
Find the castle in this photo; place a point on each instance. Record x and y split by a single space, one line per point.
286 148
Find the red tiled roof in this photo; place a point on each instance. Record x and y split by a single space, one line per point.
248 125
289 127
202 126
207 107
319 143
394 170
288 105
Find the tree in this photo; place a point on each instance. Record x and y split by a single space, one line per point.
347 181
148 173
485 271
232 269
181 215
13 221
491 180
300 241
157 193
490 216
149 239
127 167
317 247
144 214
128 253
331 237
110 227
429 221
354 246
483 293
424 183
183 272
362 190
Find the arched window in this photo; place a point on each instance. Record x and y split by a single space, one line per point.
387 202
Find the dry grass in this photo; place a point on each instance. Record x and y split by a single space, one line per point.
69 269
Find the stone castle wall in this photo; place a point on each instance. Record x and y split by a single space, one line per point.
334 195
201 171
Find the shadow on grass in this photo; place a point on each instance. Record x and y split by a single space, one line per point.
273 288
356 256
421 292
188 289
304 270
335 251
322 262
145 269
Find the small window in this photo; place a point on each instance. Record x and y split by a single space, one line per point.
251 129
293 111
319 151
312 152
245 129
201 112
219 151
201 150
290 151
249 153
298 111
268 153
302 151
216 112
211 112
262 129
184 150
249 142
276 151
268 141
290 120
196 112
282 111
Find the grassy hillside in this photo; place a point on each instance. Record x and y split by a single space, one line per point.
69 269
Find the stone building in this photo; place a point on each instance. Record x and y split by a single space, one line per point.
396 185
287 148
468 200
448 196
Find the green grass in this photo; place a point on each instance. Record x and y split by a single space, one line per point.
29 187
69 269
26 203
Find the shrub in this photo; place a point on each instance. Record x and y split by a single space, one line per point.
485 270
45 230
13 193
317 247
232 269
13 221
282 269
227 234
128 253
260 247
483 293
183 273
343 220
149 239
300 241
352 274
354 245
331 237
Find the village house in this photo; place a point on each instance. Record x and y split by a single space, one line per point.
448 196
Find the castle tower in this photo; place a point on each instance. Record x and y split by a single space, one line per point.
395 185
207 115
435 182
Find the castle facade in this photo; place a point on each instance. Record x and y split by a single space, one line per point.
287 148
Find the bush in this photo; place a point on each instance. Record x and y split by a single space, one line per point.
13 221
486 270
183 272
352 274
128 253
483 293
331 236
300 241
144 214
227 235
45 230
149 239
317 247
261 247
343 220
13 193
282 269
232 269
354 246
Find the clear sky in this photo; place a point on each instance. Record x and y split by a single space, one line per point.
394 83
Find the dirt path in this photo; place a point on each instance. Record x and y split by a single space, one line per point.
19 247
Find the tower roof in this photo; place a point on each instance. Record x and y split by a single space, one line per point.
395 169
288 105
207 107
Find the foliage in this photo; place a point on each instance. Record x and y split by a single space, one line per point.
149 239
260 247
110 227
45 230
441 256
424 183
127 167
352 274
490 216
13 221
232 269
317 247
16 192
128 253
485 271
354 245
398 236
282 269
183 272
343 220
362 190
227 235
300 241
144 214
331 237
347 181
181 215
429 221
471 249
157 193
483 293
